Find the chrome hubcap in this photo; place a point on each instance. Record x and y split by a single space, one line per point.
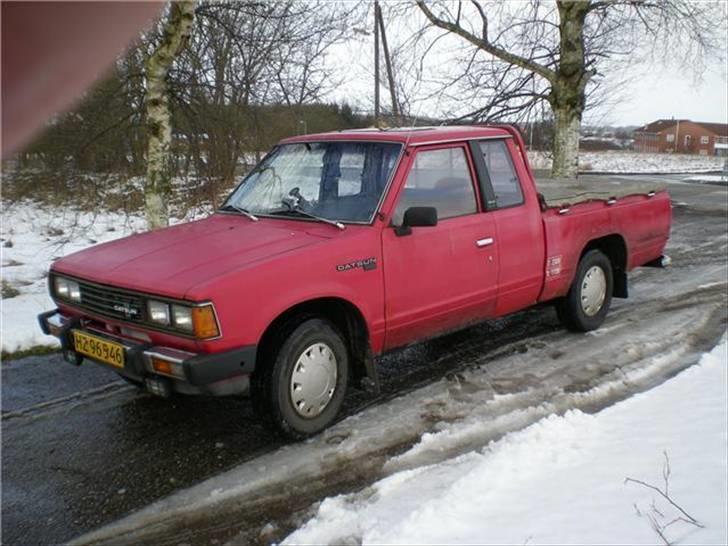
593 290
313 380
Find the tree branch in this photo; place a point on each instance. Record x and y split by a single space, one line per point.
487 46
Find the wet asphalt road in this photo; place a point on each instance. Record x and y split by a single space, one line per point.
81 448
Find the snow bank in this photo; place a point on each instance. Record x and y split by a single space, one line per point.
635 162
561 480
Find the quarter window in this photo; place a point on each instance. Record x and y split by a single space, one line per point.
502 175
440 179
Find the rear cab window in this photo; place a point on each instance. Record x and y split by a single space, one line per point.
498 178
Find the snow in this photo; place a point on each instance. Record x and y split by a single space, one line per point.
708 178
562 479
635 162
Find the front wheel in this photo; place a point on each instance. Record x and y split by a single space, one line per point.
301 388
586 305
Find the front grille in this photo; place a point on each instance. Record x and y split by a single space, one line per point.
111 302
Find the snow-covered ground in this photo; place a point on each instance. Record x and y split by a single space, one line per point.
562 479
634 162
708 178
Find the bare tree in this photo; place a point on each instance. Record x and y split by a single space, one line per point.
175 31
553 52
243 58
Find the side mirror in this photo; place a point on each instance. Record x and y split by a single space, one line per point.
416 217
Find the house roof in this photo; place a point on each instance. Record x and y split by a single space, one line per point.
720 129
658 126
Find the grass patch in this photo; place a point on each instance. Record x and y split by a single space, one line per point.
38 350
8 290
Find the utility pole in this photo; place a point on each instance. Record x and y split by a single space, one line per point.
387 60
677 137
376 65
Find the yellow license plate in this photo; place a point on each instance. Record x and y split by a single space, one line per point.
99 348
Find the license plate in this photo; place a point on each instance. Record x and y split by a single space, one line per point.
99 348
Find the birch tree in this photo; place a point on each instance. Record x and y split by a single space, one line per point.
175 31
556 51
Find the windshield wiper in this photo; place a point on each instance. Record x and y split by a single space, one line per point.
241 210
292 209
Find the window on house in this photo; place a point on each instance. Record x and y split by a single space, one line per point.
670 137
705 139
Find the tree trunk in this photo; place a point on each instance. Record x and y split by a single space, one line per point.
567 123
176 29
568 89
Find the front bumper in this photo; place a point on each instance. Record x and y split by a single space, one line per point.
216 374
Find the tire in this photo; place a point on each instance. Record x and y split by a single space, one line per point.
586 305
301 386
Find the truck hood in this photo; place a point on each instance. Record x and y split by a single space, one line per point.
173 260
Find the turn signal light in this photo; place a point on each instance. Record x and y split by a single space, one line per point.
162 366
204 322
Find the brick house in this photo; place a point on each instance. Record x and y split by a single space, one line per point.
682 136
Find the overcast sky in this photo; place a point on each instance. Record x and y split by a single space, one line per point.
666 93
651 91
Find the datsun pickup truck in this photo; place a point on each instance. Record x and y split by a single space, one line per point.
339 247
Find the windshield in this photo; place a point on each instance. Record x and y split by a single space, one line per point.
334 180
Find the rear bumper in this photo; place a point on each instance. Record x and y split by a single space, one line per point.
216 374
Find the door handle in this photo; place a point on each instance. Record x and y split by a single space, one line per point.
480 243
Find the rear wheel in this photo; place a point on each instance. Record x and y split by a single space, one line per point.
301 386
586 305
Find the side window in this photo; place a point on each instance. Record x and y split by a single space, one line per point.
440 179
503 177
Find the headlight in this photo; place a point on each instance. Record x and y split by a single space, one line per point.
182 317
67 289
158 312
199 320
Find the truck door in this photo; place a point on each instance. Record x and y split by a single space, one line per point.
511 201
440 277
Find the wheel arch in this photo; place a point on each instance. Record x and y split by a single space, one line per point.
343 314
615 248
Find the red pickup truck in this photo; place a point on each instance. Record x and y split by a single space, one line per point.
337 248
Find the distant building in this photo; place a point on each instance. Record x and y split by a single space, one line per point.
682 136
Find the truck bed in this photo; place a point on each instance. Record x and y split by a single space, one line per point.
560 192
636 218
